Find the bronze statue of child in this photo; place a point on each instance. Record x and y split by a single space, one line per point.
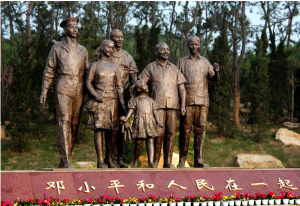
145 124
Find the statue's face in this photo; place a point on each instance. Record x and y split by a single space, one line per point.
108 49
117 38
163 52
194 46
71 29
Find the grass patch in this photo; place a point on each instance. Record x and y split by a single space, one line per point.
42 151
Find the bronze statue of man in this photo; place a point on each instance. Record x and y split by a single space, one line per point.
197 70
68 60
129 76
166 83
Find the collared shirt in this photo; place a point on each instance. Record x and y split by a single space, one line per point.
127 65
70 64
163 81
197 72
104 77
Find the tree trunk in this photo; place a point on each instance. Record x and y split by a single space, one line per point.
199 24
56 19
292 97
182 45
52 21
292 13
212 28
64 10
236 109
153 17
111 15
11 36
29 12
237 61
4 72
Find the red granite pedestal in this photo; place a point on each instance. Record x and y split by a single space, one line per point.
124 183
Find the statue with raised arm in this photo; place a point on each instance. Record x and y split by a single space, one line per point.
67 60
168 91
197 70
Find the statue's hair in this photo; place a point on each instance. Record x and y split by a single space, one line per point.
112 33
159 45
99 50
193 37
139 83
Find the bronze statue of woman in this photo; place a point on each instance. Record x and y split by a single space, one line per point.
104 84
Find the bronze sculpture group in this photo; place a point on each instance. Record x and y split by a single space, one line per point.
109 81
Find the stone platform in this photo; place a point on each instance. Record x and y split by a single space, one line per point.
124 183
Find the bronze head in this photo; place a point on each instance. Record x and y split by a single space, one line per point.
116 36
194 44
70 26
141 86
106 48
162 51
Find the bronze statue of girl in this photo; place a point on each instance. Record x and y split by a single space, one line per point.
145 124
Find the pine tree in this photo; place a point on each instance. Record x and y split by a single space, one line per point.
258 86
143 54
153 40
220 94
278 77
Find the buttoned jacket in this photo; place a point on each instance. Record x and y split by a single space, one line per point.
127 66
69 64
197 73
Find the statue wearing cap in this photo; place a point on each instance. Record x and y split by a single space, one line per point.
68 60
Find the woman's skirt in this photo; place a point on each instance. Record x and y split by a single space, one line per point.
105 116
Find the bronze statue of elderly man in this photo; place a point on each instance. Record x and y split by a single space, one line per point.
167 88
197 70
69 61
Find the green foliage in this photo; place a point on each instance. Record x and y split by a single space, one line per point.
220 93
21 102
146 41
258 86
91 32
143 55
153 40
278 77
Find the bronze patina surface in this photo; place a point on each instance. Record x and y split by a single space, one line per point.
68 60
167 89
197 70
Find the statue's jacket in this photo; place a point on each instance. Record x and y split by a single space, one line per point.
197 72
69 64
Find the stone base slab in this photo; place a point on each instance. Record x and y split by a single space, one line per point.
125 183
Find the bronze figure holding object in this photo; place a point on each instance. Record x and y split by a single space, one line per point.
69 61
103 82
129 71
